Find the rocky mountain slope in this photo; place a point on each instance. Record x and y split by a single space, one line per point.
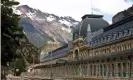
41 27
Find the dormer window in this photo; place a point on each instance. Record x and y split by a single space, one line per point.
117 35
106 38
120 34
95 42
109 37
125 32
98 41
90 43
131 31
102 40
114 36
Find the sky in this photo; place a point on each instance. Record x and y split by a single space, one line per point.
78 8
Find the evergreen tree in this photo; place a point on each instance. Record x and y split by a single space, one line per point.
13 41
10 31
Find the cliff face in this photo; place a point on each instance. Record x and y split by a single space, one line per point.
123 14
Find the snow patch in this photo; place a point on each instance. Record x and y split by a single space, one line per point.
30 15
24 32
17 12
40 20
110 22
65 22
23 16
75 23
65 29
50 18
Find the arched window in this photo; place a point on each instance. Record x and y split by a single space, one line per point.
125 46
101 51
120 48
97 52
129 46
104 50
113 49
109 50
117 48
86 53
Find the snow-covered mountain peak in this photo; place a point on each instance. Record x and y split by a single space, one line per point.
41 27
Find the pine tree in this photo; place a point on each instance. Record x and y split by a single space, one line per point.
10 31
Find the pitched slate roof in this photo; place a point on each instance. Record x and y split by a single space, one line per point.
59 52
96 22
120 28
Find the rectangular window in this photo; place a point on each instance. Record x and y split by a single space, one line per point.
94 70
112 69
119 69
91 70
105 70
124 70
101 70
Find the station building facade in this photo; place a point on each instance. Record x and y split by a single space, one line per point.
98 51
